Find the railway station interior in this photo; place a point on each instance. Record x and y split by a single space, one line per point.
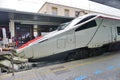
59 40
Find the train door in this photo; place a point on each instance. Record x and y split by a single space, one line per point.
70 40
116 31
61 43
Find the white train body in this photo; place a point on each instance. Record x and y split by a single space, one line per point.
89 31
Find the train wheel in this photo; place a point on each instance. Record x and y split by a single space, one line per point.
79 54
83 53
72 57
96 52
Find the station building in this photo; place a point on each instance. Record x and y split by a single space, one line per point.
62 10
68 11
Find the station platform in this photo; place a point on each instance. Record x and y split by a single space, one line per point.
105 67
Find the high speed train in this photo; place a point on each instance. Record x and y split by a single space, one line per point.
85 36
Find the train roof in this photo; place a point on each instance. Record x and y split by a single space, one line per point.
107 17
101 16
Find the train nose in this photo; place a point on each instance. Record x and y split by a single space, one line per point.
28 52
18 53
24 53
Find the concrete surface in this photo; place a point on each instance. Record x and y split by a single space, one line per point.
105 67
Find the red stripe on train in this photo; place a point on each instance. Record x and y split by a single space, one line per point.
29 42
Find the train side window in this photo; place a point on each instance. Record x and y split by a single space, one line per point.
118 30
87 25
85 19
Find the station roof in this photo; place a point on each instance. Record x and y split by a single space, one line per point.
30 18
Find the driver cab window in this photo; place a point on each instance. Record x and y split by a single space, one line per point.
85 19
87 25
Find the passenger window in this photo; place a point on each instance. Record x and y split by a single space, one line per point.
87 25
118 30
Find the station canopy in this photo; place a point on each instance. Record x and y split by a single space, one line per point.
31 18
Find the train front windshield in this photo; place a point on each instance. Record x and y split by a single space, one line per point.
71 23
63 26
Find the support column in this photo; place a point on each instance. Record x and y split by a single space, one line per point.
12 28
35 30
